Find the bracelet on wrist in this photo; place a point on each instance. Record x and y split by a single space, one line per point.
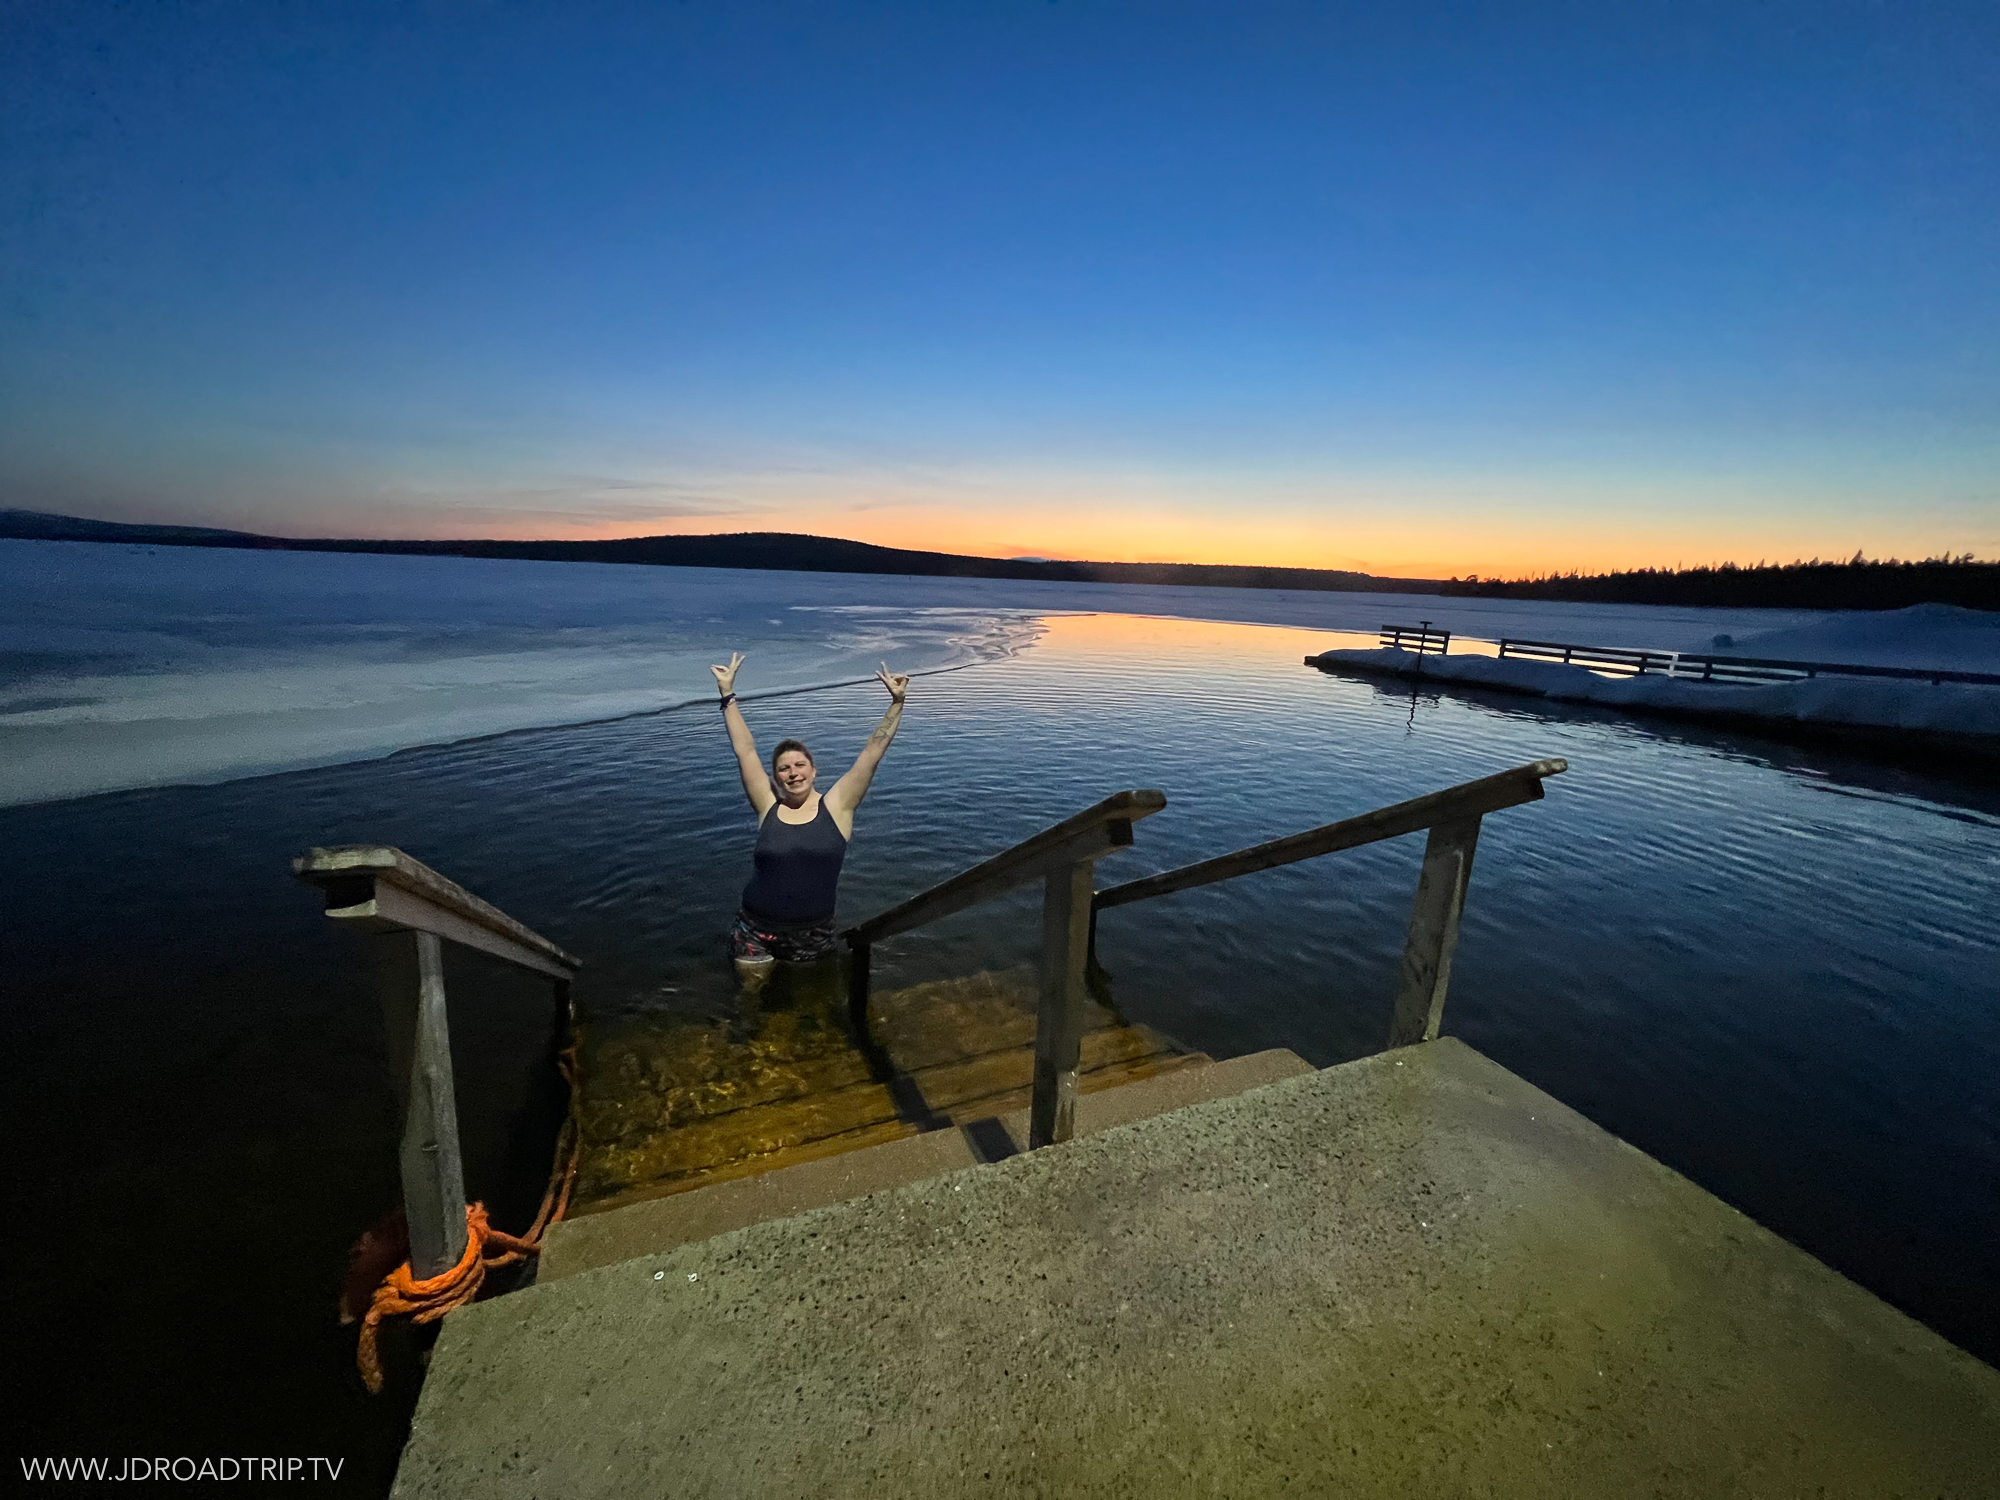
727 699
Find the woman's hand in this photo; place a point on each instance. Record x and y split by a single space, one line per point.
725 677
898 683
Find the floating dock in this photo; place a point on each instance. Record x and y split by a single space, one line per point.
1410 1275
1933 710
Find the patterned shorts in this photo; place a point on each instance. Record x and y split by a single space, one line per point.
752 942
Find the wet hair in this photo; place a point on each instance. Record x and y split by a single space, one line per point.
785 745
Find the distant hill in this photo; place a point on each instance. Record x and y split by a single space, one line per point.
40 526
777 550
1857 583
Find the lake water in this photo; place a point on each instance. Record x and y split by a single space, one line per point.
1775 969
125 666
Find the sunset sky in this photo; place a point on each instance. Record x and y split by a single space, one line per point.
1417 289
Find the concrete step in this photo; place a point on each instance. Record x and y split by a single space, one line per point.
1412 1275
664 1223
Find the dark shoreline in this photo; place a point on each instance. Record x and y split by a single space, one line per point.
1855 584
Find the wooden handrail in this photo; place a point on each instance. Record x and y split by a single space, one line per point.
1471 799
1094 831
406 911
1061 857
376 887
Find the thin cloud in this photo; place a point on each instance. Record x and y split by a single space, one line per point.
592 501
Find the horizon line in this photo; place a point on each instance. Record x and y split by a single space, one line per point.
1028 559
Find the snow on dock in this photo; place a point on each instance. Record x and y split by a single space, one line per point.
1931 638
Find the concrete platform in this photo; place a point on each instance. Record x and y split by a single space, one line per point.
685 1218
1412 1275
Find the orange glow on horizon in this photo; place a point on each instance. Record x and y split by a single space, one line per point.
1388 541
1118 543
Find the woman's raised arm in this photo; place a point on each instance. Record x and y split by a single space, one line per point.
756 785
845 795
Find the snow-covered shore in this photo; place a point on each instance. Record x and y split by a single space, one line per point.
1925 636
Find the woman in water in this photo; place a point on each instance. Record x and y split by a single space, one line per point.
802 836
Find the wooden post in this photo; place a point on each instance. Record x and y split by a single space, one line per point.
564 1026
1433 932
1066 899
409 969
1097 980
857 990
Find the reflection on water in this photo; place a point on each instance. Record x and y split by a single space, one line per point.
1773 968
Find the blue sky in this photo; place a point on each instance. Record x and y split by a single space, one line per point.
1474 288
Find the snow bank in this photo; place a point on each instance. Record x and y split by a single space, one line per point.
1946 709
1924 635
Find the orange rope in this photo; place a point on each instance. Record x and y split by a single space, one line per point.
401 1293
427 1300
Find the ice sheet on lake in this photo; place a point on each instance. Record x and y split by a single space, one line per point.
125 666
129 665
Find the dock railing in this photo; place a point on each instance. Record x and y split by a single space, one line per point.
1728 669
406 911
1421 638
1453 818
1062 857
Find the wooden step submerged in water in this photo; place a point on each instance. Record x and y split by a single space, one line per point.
717 1206
664 1113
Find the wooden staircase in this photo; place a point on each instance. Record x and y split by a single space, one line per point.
670 1111
820 1067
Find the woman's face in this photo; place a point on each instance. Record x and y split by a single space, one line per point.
794 774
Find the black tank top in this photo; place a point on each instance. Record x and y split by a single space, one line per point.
798 870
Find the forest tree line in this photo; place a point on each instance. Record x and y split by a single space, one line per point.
1857 583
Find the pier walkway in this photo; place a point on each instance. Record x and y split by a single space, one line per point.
1412 1274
